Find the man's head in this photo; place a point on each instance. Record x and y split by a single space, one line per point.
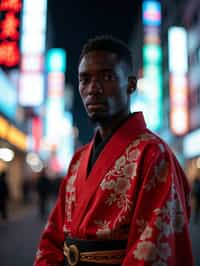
105 78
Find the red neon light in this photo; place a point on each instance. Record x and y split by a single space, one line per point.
9 54
11 5
152 15
37 129
9 27
179 115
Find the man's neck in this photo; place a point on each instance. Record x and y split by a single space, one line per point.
109 127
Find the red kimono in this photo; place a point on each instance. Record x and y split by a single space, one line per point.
136 190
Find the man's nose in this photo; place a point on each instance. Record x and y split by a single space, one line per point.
95 86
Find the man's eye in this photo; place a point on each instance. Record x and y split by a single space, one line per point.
83 80
108 76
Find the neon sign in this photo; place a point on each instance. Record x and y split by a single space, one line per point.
9 32
149 96
12 134
178 67
32 56
13 5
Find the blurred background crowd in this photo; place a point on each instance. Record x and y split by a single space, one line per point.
42 121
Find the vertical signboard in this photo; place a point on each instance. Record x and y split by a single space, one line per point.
58 124
149 97
32 45
10 33
178 67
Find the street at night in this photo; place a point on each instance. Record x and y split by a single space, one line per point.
99 110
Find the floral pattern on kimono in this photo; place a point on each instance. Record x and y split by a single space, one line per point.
159 221
118 181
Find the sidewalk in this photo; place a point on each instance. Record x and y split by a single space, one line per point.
18 210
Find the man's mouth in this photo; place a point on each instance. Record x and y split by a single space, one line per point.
95 105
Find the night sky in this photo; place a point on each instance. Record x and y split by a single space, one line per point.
73 22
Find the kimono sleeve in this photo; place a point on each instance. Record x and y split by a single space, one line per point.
50 248
159 228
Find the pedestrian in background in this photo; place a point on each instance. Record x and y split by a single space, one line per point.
196 199
43 190
4 194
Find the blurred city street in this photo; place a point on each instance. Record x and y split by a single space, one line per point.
195 236
20 236
42 117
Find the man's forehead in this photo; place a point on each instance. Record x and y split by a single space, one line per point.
98 59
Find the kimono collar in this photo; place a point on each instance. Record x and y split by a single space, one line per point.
137 122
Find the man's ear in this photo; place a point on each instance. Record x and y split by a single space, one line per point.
132 82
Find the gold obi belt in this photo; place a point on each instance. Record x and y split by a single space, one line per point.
94 252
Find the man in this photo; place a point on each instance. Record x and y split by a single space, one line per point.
125 199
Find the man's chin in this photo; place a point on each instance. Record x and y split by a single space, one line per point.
98 119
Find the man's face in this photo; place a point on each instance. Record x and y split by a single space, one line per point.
103 83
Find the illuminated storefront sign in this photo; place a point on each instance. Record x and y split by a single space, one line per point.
149 97
191 144
31 89
151 13
66 140
9 32
58 124
32 45
37 132
56 65
178 67
8 97
56 60
12 134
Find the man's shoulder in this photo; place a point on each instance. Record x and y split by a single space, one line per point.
147 137
149 140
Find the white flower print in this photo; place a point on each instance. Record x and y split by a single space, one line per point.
70 184
75 166
164 251
39 254
136 143
124 203
169 220
104 231
130 170
120 178
122 185
70 189
145 250
163 226
147 136
107 184
112 199
132 154
159 174
147 233
120 162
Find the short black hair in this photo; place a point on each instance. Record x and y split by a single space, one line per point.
110 44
